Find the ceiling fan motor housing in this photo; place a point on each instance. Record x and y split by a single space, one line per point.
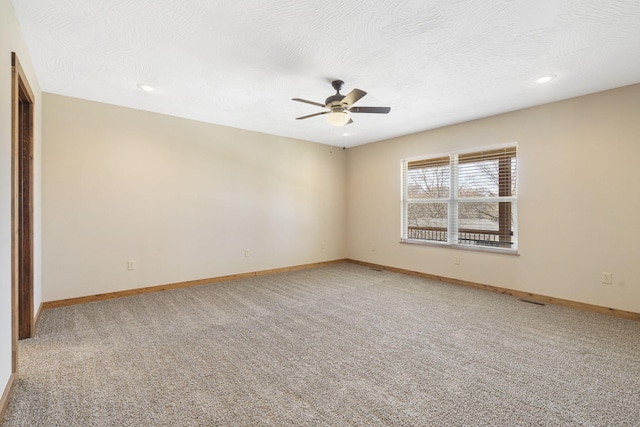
333 100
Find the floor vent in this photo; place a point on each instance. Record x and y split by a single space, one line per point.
532 302
377 269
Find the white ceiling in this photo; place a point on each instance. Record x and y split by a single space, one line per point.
239 62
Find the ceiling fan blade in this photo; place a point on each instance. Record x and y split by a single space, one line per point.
353 97
312 115
379 110
308 102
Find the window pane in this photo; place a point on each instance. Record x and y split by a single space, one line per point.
427 221
430 182
485 224
487 177
479 179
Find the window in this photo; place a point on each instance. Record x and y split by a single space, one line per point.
462 199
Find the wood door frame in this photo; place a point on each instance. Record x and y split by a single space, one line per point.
22 293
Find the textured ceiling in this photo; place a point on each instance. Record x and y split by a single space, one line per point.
238 63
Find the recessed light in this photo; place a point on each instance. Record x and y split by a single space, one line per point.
145 87
546 78
345 134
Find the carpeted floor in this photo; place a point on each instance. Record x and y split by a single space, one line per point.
342 345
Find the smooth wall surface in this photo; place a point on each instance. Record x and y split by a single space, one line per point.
11 41
578 200
183 199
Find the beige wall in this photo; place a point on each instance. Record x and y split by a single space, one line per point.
184 199
11 41
578 200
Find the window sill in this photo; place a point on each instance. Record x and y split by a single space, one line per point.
462 247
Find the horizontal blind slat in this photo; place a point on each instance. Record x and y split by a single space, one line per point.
437 161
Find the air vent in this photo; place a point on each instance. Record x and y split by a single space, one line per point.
532 302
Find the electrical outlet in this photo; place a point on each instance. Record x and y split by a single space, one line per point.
131 265
456 260
246 253
607 278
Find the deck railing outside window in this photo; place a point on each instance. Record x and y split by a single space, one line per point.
465 236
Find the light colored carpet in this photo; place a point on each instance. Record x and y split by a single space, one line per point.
342 345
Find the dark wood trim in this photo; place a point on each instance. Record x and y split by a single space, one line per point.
25 217
4 401
169 286
22 120
518 294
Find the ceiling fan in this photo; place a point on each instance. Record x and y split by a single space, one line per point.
340 106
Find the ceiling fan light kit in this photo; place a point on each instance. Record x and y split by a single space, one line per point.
340 106
338 118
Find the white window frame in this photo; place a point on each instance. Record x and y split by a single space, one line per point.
454 200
